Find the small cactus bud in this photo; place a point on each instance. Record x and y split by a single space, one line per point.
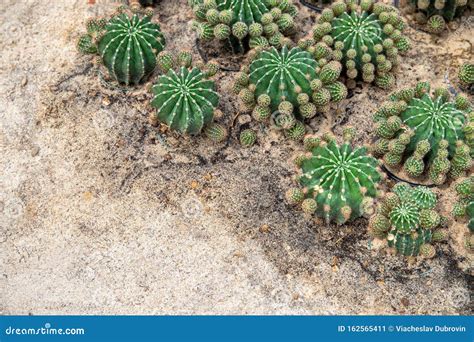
247 138
294 196
215 132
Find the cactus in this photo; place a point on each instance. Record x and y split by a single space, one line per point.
87 43
128 44
287 82
367 39
429 135
468 131
185 99
244 24
338 182
466 75
216 132
433 14
248 138
407 218
464 207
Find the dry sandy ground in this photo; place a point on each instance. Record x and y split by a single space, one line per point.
103 214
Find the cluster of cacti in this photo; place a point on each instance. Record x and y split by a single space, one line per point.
464 207
289 86
87 42
245 24
185 99
337 182
434 14
425 136
128 44
408 219
466 75
428 135
367 39
468 131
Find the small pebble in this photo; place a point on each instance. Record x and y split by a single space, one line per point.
172 141
34 151
218 114
238 254
265 228
405 302
106 101
153 120
244 119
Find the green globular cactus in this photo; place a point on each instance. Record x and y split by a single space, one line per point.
185 99
340 180
128 44
434 14
464 207
216 132
289 84
245 24
430 136
129 47
408 219
248 138
294 196
367 39
468 131
466 74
